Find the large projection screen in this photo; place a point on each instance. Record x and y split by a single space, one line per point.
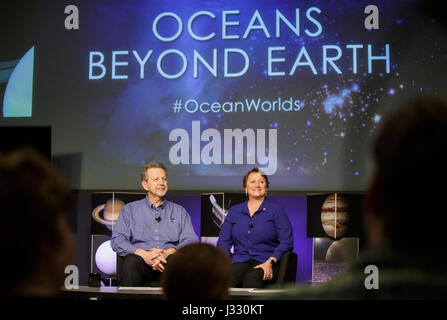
215 88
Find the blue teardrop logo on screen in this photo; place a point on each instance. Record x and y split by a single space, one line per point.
18 99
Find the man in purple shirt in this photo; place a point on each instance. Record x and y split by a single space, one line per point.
148 231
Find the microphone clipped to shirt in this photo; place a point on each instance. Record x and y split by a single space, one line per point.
250 226
158 219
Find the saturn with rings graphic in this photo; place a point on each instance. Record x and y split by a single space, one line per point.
107 213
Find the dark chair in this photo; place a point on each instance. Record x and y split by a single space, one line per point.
119 263
287 270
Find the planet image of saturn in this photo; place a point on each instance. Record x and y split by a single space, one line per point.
335 216
108 213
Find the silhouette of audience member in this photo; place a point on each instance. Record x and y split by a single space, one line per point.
404 213
36 241
197 271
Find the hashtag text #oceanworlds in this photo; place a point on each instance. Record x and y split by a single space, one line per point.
188 149
247 105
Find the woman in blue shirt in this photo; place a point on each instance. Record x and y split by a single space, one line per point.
259 232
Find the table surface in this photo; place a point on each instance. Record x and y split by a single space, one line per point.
158 291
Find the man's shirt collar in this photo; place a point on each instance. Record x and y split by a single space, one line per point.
151 205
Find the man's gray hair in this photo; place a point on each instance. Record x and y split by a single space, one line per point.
151 165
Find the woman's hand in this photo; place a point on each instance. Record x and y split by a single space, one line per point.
267 268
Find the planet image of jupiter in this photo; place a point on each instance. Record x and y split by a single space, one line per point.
334 216
107 213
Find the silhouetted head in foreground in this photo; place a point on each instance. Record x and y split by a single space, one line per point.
197 271
405 202
36 241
